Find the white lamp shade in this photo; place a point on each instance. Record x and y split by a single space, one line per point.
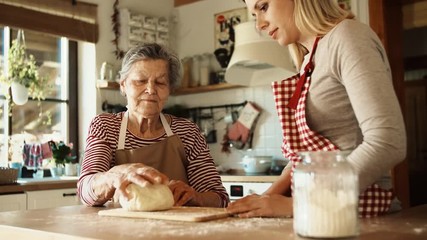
257 59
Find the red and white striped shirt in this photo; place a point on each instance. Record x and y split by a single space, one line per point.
101 145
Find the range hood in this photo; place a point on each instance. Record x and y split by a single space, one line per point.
257 59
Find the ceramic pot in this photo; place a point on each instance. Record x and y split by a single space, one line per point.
70 169
56 171
19 93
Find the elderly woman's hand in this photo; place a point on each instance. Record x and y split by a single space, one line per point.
137 173
182 193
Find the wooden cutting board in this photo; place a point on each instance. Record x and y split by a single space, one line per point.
187 214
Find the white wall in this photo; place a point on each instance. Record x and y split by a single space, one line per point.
195 26
195 35
192 33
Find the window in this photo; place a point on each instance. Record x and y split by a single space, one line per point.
53 119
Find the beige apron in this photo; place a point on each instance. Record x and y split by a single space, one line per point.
167 156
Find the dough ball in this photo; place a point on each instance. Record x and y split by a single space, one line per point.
152 197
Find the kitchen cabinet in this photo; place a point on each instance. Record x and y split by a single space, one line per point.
33 193
415 119
102 84
52 198
414 15
13 202
386 19
137 28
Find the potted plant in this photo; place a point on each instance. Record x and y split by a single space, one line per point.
61 154
22 75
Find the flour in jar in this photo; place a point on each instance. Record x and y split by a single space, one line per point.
326 214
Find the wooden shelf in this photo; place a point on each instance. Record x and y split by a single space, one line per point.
202 89
415 63
178 3
102 84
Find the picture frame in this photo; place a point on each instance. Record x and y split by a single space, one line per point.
224 35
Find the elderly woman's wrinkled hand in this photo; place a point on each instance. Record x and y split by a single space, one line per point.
137 173
182 193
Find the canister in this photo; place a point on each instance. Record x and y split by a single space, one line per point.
325 193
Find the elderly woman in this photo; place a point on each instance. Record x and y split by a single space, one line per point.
143 145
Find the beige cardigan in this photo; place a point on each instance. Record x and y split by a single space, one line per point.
352 102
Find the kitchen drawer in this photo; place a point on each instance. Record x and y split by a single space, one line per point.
52 198
13 202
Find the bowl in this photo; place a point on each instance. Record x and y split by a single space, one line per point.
277 166
257 164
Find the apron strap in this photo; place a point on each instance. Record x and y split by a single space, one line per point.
124 125
122 134
308 69
166 125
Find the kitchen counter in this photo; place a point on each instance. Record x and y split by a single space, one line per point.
248 178
239 175
80 222
33 184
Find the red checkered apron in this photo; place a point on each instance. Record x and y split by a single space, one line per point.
290 98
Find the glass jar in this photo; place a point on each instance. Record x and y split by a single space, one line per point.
325 193
195 71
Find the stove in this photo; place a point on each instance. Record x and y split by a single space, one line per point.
237 190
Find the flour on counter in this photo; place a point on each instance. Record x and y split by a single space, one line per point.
162 229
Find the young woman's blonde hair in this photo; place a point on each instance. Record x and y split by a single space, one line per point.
316 17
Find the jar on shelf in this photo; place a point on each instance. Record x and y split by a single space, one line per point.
325 193
187 63
204 69
195 71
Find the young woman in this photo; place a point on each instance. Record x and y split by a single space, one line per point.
342 99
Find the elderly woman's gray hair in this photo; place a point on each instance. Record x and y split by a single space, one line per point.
153 51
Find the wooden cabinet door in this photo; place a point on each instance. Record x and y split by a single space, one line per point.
52 198
416 129
386 19
13 202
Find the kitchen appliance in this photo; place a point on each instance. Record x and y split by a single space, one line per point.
237 190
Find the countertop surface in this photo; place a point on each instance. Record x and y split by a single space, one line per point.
81 222
248 178
51 183
239 175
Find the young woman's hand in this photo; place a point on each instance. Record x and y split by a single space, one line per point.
274 205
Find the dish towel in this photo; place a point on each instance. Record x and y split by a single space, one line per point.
32 155
241 129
